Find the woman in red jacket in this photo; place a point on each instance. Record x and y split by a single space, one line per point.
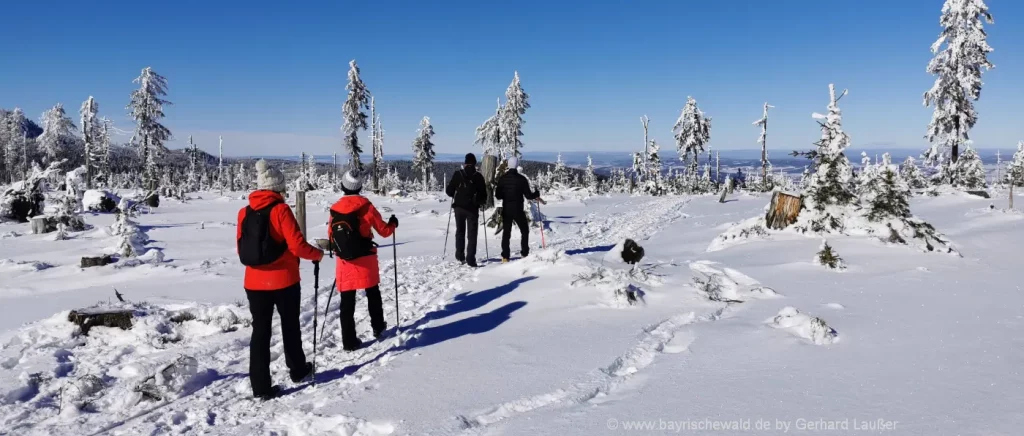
276 282
362 272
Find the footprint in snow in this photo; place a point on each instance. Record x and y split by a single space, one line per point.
679 343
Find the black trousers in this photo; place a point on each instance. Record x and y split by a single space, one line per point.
466 219
518 216
261 305
348 311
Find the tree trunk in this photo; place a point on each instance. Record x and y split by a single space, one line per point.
86 319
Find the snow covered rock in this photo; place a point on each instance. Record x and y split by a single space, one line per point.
95 200
811 328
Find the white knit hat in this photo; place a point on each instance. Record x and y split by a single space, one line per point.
269 179
513 162
352 180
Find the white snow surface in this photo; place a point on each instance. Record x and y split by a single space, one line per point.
931 344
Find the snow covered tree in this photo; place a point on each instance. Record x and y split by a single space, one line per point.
969 171
242 181
312 178
16 148
885 193
488 134
377 140
763 123
961 52
193 161
831 183
692 131
511 120
912 174
561 173
591 176
58 133
91 131
355 119
654 184
1015 170
220 164
423 151
147 109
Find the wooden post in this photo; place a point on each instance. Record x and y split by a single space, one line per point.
1011 194
300 210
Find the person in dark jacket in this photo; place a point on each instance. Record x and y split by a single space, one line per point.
512 189
468 191
275 284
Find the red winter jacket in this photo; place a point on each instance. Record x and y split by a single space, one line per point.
363 272
284 272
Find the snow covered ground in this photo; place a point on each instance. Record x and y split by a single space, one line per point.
901 342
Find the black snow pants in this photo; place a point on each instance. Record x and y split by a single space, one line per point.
466 221
349 340
517 216
261 305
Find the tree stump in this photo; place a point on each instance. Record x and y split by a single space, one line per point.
86 319
42 224
982 194
783 211
88 262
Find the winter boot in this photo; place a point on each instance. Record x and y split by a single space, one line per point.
303 373
353 346
379 331
472 263
274 392
504 260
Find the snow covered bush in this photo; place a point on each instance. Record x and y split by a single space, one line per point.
811 328
26 199
912 174
95 200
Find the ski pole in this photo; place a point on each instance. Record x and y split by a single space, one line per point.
316 303
448 229
540 218
394 252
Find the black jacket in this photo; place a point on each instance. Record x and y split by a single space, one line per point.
512 189
469 189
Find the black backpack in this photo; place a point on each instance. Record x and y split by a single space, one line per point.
466 192
256 247
347 241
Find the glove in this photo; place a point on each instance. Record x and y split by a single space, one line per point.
393 221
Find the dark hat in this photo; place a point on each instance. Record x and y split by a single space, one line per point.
470 159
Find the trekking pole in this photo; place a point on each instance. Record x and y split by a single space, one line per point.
448 229
326 309
316 303
394 252
540 217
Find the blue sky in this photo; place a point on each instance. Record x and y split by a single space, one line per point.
270 76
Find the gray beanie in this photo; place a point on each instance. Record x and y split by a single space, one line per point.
269 179
352 180
513 162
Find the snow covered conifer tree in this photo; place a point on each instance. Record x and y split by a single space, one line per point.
692 131
831 183
378 145
242 181
591 176
1015 170
969 171
147 109
561 173
91 131
655 183
15 148
912 174
511 120
58 132
193 160
886 194
763 122
355 119
961 52
488 134
423 151
220 164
